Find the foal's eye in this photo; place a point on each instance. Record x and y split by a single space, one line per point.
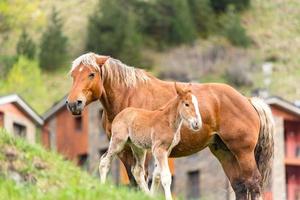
91 75
187 105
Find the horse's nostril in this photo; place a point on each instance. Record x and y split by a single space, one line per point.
79 102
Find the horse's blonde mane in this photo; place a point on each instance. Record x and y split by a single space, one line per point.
112 70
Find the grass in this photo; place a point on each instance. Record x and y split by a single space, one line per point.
274 28
58 179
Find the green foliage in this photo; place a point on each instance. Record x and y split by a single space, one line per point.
60 180
168 21
53 47
113 30
233 29
25 79
222 5
203 16
6 62
16 15
181 29
25 45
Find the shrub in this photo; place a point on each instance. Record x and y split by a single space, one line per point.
233 30
222 5
6 62
169 21
24 78
113 30
239 74
25 45
203 16
53 47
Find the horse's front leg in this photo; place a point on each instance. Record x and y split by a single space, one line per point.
127 158
161 158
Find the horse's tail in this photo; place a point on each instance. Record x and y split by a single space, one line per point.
264 149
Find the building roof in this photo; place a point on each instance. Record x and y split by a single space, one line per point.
286 105
56 107
21 103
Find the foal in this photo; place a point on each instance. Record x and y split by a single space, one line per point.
158 130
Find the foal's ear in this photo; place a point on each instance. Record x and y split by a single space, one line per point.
178 89
100 60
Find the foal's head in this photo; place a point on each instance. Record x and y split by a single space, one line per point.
87 83
188 107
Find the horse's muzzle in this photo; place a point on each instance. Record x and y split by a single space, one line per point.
195 125
75 107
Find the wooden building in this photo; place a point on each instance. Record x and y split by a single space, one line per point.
18 118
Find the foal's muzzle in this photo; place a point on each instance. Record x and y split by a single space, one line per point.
195 124
75 107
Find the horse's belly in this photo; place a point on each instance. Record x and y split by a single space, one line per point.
141 139
191 142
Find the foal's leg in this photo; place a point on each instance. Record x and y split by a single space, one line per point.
161 155
155 178
138 169
116 145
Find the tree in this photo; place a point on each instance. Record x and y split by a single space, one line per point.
203 16
222 5
233 29
25 79
169 21
25 45
53 47
113 30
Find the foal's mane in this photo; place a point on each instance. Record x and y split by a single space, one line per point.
113 70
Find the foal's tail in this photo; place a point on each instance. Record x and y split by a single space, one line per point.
264 149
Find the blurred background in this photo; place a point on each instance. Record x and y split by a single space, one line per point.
189 40
253 45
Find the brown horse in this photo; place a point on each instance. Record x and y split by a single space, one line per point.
238 130
158 130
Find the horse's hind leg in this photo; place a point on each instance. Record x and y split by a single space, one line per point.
138 169
230 166
250 174
116 145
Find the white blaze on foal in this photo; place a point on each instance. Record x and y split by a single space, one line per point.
157 130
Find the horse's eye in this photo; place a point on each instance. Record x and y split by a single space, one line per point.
91 75
187 105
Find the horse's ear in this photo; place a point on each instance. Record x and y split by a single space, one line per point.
178 89
100 60
189 88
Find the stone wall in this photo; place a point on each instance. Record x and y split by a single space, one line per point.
213 182
98 142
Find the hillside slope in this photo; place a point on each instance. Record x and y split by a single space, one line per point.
273 26
30 172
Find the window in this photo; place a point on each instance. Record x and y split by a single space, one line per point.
83 161
78 123
193 185
19 130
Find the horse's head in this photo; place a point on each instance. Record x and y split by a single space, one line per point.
188 107
87 84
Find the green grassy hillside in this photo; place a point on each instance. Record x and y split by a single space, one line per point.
274 26
30 172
